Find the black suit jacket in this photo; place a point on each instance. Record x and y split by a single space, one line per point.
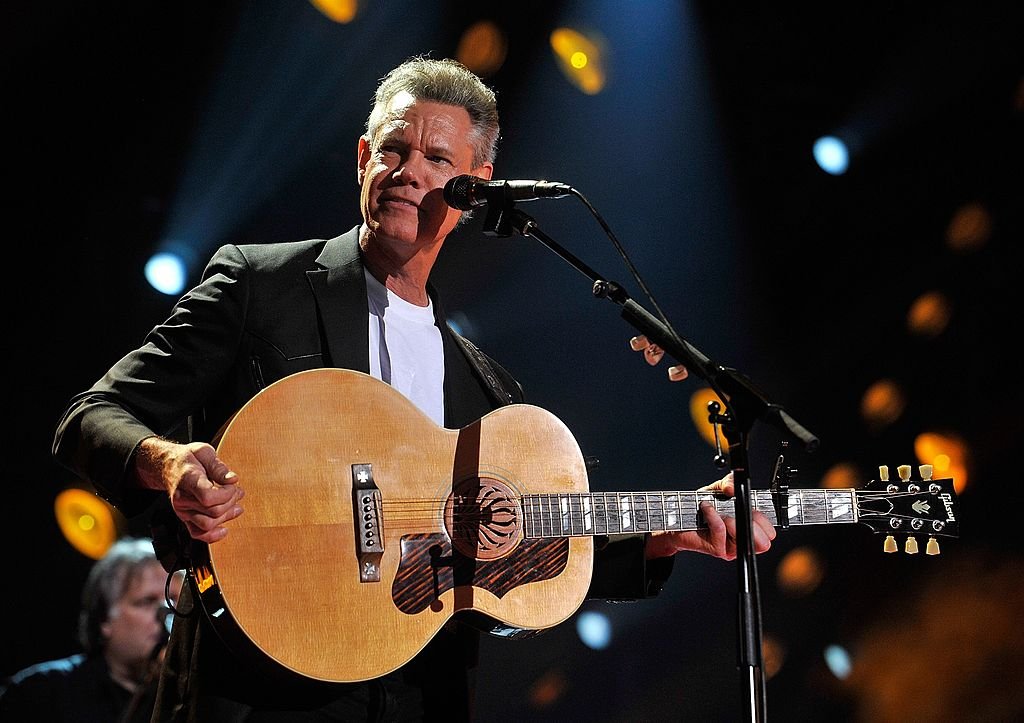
262 312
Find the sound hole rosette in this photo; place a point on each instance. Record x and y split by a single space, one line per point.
483 518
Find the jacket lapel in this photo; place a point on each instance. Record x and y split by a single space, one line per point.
340 292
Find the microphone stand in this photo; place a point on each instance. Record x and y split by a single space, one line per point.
744 404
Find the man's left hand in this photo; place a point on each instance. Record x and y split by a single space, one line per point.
719 537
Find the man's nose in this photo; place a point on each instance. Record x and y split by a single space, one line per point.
410 170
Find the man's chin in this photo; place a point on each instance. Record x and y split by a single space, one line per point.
402 234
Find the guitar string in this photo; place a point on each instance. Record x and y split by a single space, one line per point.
425 509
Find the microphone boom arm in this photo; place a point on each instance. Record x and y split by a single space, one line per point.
732 387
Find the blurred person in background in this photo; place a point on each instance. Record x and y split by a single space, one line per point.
122 631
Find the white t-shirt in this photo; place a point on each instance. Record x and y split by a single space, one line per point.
405 348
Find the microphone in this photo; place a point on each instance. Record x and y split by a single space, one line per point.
466 192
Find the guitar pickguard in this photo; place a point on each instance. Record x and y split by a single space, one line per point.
429 567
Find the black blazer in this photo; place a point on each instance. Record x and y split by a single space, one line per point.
260 313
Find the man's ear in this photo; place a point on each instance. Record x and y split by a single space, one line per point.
484 171
362 158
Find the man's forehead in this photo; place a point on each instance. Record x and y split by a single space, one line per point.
395 114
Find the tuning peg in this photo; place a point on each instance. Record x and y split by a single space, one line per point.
911 546
890 544
903 471
926 471
883 473
932 548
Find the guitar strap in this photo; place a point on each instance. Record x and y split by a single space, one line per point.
500 384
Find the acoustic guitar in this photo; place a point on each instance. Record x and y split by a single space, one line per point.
367 527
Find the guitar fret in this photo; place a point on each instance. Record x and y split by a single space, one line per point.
600 516
688 511
655 511
841 506
543 516
796 508
814 509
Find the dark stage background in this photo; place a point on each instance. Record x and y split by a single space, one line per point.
206 122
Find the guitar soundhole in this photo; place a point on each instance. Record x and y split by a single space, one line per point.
483 518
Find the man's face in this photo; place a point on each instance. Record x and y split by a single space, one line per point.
419 147
134 629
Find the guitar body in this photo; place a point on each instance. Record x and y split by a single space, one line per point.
367 527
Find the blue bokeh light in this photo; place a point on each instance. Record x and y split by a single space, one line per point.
594 629
166 273
838 661
832 155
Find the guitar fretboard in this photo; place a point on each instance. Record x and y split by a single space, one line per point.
609 513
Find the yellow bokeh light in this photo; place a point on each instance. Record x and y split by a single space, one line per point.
929 314
882 403
547 689
970 228
699 413
86 521
774 655
948 455
842 476
580 58
340 11
800 572
482 48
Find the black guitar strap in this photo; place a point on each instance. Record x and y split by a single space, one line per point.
500 384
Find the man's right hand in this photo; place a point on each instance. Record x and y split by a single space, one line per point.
653 354
204 492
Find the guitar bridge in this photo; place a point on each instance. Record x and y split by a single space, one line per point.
366 515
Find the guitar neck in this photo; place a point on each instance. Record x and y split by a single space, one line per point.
610 513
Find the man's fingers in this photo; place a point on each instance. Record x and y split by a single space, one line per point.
677 373
717 530
208 536
208 528
764 532
652 352
216 470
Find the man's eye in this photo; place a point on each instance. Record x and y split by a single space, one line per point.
440 160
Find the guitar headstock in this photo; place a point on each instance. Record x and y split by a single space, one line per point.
906 506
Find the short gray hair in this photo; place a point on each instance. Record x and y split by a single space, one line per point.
442 81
